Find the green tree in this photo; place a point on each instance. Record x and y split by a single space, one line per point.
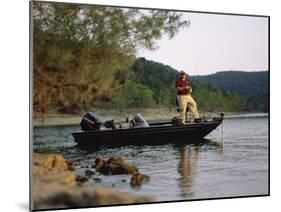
133 95
83 53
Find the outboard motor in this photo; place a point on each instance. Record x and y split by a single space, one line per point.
90 121
138 121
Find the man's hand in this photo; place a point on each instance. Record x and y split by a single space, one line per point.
183 88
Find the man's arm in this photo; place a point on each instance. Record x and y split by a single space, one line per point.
179 88
183 88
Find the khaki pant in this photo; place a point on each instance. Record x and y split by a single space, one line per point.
184 101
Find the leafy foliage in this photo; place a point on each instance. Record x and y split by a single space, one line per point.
85 53
133 95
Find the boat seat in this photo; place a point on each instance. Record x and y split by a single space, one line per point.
112 124
138 121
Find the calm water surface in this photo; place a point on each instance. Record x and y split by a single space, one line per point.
238 166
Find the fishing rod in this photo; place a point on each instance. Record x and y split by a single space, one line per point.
196 67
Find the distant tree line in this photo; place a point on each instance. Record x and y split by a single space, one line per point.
253 86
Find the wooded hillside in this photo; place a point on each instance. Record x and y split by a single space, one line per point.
251 85
153 84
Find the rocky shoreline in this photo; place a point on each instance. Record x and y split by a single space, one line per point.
56 184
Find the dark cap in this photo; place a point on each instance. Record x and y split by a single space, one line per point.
182 73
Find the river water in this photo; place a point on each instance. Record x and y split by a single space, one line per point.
229 166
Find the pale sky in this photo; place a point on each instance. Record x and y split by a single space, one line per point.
225 42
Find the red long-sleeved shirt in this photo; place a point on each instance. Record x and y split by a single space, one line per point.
183 83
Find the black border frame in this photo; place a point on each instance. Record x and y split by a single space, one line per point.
131 7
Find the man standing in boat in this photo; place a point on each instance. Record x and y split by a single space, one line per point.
183 87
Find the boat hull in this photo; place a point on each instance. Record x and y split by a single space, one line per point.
156 134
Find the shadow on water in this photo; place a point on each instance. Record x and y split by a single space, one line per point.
94 148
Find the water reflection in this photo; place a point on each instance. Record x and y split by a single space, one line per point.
187 169
188 162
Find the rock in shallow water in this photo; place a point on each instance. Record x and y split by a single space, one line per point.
81 179
115 160
54 186
97 180
70 166
138 179
89 173
115 169
99 163
114 166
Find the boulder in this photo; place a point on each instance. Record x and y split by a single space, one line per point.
114 166
52 168
97 179
49 162
115 160
112 169
89 173
99 163
130 169
138 179
70 166
81 179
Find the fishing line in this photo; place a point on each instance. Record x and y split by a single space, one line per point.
196 67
